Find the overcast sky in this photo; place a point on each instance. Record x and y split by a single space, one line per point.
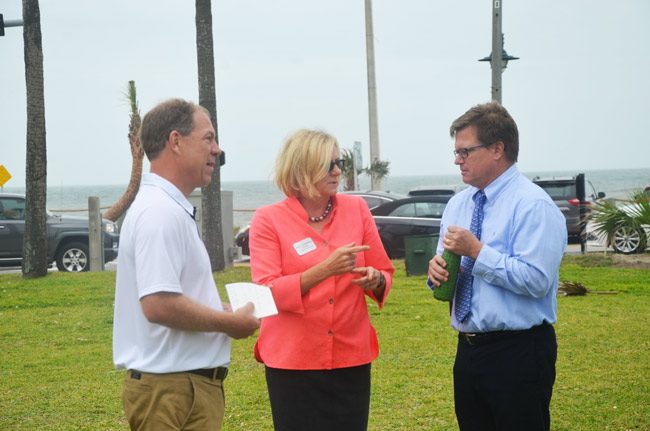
580 92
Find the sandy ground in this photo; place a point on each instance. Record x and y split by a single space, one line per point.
641 260
632 260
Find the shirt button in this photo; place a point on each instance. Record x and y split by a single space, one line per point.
330 333
331 300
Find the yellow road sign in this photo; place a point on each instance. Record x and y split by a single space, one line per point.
4 175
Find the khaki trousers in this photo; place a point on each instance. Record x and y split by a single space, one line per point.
176 401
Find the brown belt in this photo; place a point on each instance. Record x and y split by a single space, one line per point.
218 373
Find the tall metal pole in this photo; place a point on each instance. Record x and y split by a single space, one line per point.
372 96
497 49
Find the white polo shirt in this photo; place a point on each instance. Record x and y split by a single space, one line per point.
161 251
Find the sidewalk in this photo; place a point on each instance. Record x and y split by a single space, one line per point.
589 248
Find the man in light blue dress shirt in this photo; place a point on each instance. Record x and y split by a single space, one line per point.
505 360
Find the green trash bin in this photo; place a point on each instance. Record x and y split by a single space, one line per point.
418 251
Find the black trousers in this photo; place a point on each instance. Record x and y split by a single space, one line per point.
314 400
505 384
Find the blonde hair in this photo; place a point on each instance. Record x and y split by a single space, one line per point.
304 161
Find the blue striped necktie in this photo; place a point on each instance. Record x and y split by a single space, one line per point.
465 277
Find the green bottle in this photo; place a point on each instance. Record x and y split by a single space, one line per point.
445 292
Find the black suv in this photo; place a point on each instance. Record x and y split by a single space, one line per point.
67 236
565 193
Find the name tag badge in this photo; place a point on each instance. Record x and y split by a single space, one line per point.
304 246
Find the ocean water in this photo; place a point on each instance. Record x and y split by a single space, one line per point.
249 195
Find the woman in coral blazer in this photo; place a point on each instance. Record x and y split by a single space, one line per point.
321 255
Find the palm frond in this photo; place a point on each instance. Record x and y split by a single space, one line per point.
640 211
607 217
133 101
348 169
379 168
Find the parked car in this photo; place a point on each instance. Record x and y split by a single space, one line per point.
67 236
372 198
375 198
415 215
627 237
564 192
445 190
241 240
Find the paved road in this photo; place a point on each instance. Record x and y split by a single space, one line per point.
111 266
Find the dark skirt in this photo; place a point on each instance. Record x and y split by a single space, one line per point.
316 400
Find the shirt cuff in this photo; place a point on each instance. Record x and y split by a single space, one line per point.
486 262
286 293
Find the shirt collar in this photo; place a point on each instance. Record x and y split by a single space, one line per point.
295 206
494 189
155 180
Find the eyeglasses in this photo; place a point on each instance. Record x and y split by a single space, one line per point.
338 162
463 153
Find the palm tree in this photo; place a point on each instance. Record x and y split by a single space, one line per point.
212 232
622 227
348 169
137 156
378 169
35 239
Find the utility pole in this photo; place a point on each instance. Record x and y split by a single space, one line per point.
498 58
375 182
497 46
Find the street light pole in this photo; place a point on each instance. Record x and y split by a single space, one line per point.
375 182
497 46
497 62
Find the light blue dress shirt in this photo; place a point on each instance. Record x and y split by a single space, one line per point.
516 273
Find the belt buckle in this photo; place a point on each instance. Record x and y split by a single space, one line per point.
220 373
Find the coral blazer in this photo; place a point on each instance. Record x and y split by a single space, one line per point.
328 327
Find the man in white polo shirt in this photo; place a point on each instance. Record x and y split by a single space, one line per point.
170 330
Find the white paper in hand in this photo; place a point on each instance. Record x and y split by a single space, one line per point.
241 293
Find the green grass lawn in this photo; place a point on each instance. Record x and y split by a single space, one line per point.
56 370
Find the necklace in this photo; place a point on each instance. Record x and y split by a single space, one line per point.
323 216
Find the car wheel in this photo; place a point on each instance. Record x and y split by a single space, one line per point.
628 240
72 257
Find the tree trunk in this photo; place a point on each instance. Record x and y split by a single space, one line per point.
35 239
348 169
211 195
137 155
